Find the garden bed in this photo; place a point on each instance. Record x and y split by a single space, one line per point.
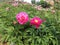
11 30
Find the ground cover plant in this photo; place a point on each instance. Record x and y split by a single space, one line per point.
33 28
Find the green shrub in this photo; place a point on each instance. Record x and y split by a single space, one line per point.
33 1
57 5
44 4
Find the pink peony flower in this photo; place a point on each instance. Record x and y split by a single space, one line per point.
38 7
22 18
14 22
7 8
15 4
36 21
53 11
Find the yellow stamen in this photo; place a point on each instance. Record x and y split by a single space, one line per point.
36 21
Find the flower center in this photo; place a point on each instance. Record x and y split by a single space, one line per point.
22 18
36 21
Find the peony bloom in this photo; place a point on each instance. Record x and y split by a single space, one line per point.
53 11
7 8
36 21
14 22
15 4
38 7
22 18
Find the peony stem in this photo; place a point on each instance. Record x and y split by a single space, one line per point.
23 40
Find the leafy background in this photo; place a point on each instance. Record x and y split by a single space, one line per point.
47 34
